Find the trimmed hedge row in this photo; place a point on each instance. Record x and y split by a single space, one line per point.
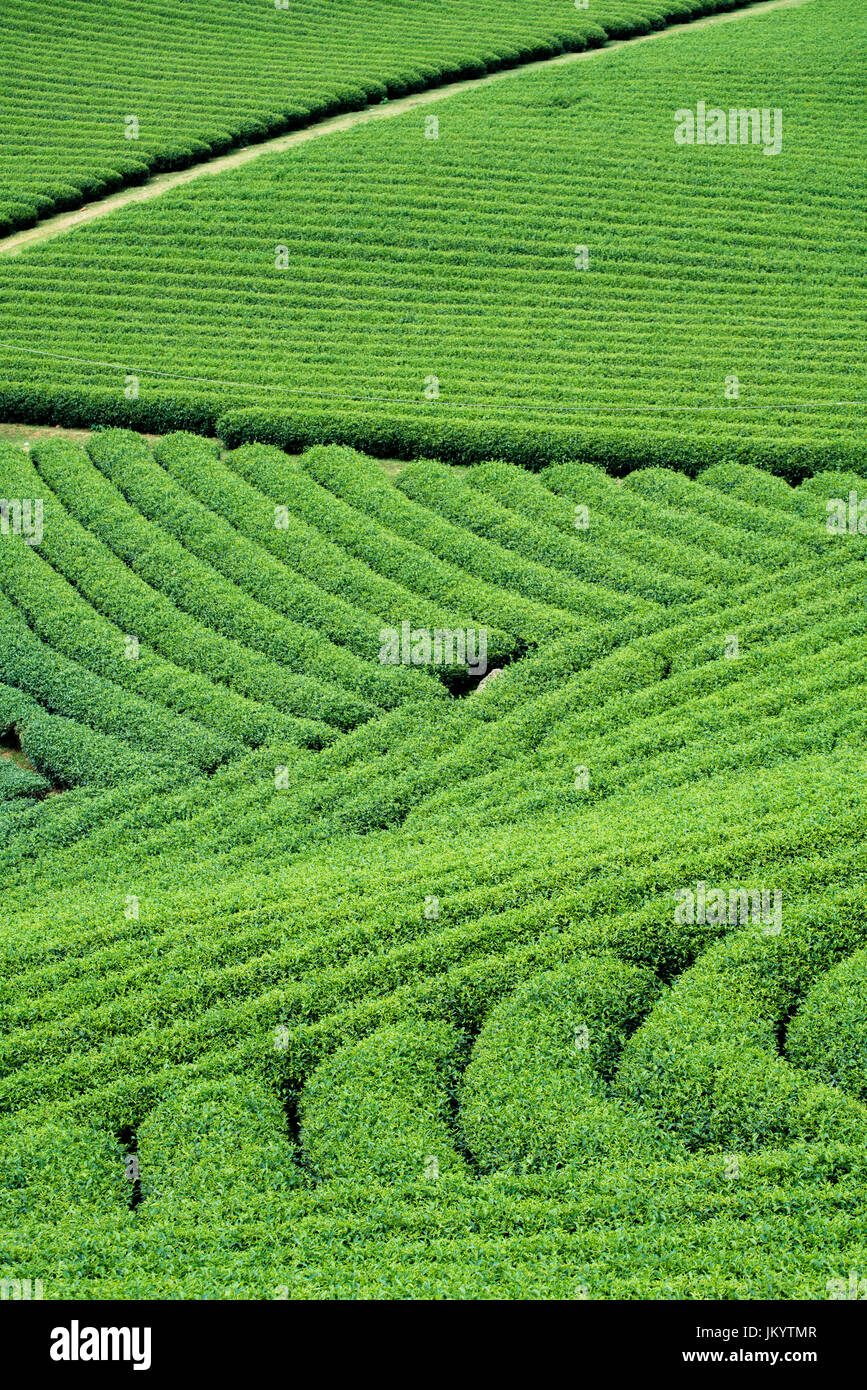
369 540
378 1110
460 442
277 610
18 781
538 565
139 576
532 447
828 1034
90 407
299 545
534 1095
65 687
71 753
66 619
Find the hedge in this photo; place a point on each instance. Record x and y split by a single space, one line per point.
379 1109
534 447
534 1094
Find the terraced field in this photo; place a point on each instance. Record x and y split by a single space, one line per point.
323 977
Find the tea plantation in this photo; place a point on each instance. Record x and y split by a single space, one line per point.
432 777
91 113
414 296
382 980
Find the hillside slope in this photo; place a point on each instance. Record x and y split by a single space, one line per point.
118 91
449 1005
437 306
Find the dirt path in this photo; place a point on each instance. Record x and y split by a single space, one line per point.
161 183
25 435
11 433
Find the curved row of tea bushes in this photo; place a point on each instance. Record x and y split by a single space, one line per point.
319 626
657 1232
785 537
706 1063
70 753
554 577
174 1016
534 1095
66 621
166 592
67 688
520 511
677 746
581 484
216 1143
827 1036
639 529
298 545
349 518
58 1173
360 482
378 1110
429 770
343 1032
16 781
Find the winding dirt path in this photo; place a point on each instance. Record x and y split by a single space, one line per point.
162 183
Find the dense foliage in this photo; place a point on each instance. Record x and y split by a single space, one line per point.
418 1017
260 305
234 72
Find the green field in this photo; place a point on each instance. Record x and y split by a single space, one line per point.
448 265
328 984
333 965
204 77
